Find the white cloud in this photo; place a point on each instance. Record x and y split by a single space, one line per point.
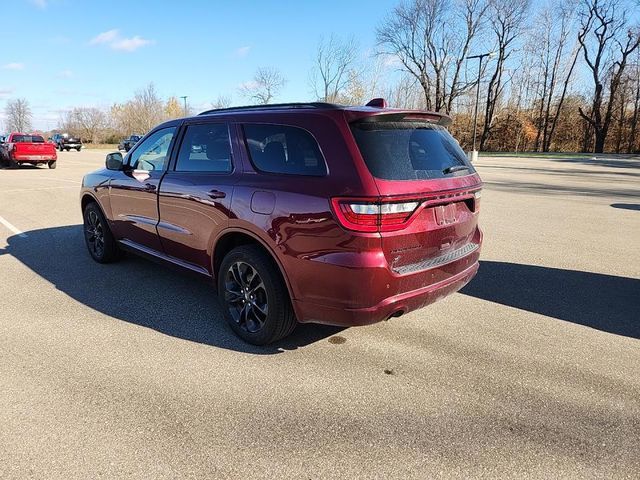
113 39
242 51
130 44
39 3
105 37
65 74
13 66
390 60
5 92
250 85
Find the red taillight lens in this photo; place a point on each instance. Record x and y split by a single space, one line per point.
477 195
374 215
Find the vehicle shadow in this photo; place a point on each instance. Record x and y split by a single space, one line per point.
603 302
627 206
141 292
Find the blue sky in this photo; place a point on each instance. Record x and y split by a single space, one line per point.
64 53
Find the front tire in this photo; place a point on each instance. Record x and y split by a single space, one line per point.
254 297
100 242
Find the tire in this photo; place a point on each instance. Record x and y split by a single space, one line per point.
68 149
52 164
262 314
100 242
12 163
78 149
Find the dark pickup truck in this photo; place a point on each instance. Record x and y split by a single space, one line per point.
64 141
128 143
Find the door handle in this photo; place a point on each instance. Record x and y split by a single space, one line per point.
216 194
149 187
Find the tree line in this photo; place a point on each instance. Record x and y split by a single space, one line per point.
556 76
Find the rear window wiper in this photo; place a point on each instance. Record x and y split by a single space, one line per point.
455 168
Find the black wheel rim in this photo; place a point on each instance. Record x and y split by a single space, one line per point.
94 233
246 297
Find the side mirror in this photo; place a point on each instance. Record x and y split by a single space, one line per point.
114 161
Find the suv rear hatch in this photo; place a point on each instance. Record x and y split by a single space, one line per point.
427 209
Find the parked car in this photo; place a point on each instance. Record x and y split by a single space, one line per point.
65 141
19 148
127 143
298 212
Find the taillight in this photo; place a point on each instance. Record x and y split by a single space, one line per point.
374 215
477 196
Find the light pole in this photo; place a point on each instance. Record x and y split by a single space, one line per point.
473 155
185 104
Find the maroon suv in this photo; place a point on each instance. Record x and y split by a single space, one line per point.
299 212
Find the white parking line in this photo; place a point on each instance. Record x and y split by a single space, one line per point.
37 189
12 228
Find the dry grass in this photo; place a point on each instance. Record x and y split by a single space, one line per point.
100 146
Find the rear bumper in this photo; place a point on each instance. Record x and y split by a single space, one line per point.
71 145
34 158
420 293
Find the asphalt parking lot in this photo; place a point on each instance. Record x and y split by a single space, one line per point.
532 371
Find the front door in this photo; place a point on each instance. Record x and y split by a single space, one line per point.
133 192
195 194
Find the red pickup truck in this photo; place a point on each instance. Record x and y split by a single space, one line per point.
20 148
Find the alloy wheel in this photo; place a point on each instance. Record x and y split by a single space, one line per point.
246 296
94 233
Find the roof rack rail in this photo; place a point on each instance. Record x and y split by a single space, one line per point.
273 106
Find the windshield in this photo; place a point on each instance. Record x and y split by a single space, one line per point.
409 150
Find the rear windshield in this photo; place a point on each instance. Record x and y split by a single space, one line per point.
28 139
409 150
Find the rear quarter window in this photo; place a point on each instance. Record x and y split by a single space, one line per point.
409 150
284 149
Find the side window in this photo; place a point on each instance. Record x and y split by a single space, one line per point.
153 152
284 149
205 148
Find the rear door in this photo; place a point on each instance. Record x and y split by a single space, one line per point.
133 192
429 204
195 194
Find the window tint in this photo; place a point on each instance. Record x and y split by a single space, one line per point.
152 153
284 149
409 150
28 139
205 148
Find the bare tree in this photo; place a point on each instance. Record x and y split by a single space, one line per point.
266 84
334 68
507 20
18 115
607 41
634 77
222 101
87 122
432 39
555 63
140 114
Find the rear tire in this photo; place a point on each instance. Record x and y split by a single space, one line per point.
78 149
12 163
100 242
53 164
254 297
